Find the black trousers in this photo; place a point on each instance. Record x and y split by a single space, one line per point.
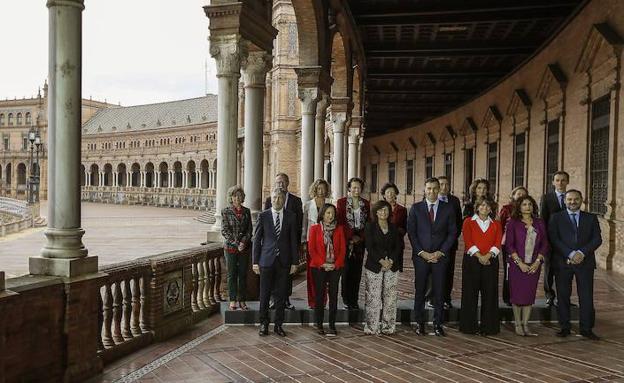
478 279
351 277
323 281
585 289
549 278
422 270
450 274
273 279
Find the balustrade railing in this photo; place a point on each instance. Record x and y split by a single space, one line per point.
154 297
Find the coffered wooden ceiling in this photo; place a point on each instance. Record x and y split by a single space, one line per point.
427 57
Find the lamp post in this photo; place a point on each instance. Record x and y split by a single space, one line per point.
38 168
31 137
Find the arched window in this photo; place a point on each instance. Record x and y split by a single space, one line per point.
1 119
10 119
19 119
28 118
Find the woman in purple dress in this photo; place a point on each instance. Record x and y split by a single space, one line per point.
527 245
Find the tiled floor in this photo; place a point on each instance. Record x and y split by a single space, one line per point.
238 354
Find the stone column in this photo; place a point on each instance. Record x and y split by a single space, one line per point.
255 68
359 156
227 51
88 179
64 254
319 137
345 152
337 185
198 179
101 178
309 98
354 141
157 179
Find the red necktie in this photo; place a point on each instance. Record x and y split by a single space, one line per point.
431 215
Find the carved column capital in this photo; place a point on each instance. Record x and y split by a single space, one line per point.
322 104
228 52
255 66
339 120
308 97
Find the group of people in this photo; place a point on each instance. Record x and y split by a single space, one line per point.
342 242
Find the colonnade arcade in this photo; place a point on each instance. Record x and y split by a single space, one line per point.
184 174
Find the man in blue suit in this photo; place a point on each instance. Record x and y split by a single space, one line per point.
575 236
432 231
275 245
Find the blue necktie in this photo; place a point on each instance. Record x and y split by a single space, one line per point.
574 224
278 230
561 202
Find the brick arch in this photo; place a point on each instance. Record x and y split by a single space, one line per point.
311 32
339 69
357 94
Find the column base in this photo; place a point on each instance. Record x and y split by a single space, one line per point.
63 267
64 243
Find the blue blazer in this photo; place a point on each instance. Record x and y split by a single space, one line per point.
425 236
264 240
563 242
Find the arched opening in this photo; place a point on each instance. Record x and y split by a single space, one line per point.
122 175
164 175
21 178
8 175
28 118
214 174
338 67
95 172
136 174
149 175
192 176
19 119
177 174
83 176
108 175
205 169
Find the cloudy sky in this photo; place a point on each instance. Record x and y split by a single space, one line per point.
134 51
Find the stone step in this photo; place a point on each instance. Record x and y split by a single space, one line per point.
304 315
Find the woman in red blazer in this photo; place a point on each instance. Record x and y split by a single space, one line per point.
482 237
353 214
327 248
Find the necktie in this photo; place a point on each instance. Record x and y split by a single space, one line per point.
278 230
574 224
431 213
561 202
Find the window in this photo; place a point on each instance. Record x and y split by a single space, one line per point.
599 156
374 178
28 119
552 153
519 150
19 119
392 172
468 170
428 167
25 143
6 143
10 119
492 165
1 119
448 167
409 176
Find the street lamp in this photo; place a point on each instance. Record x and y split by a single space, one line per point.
31 137
38 168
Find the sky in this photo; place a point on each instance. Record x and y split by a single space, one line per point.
133 51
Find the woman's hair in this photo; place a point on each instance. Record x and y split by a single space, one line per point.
378 206
517 213
355 179
514 190
233 190
315 185
389 185
481 200
475 183
324 209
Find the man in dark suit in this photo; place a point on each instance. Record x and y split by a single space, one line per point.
432 230
275 257
292 203
575 236
550 204
445 195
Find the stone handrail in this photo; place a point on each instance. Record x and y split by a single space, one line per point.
155 297
15 215
15 207
192 198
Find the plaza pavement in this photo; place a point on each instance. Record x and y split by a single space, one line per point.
114 233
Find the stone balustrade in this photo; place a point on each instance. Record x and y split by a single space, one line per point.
156 297
16 215
199 199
